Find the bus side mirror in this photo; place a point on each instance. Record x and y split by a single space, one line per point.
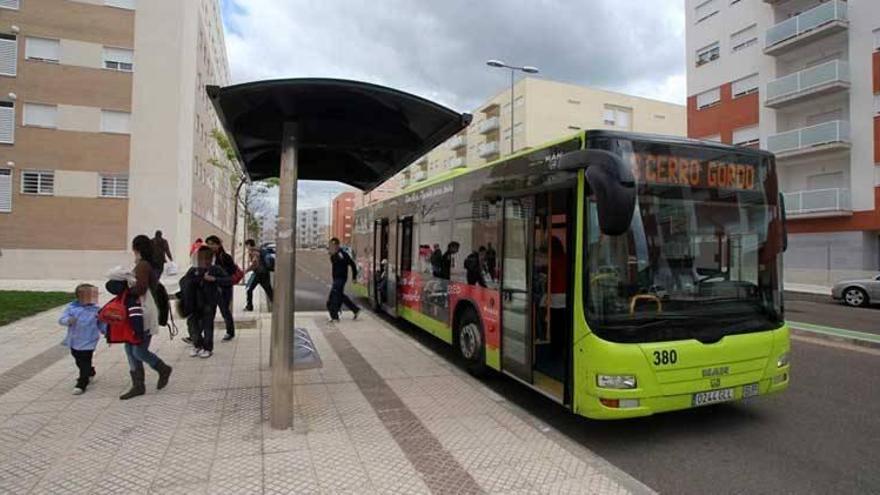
611 181
784 222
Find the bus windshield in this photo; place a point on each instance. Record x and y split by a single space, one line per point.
702 256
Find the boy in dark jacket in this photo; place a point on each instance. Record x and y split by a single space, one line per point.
200 295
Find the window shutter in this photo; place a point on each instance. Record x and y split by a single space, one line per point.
608 116
746 135
123 4
8 54
42 49
622 119
118 122
744 38
5 190
709 98
7 122
706 10
114 186
9 4
745 85
118 58
40 115
37 182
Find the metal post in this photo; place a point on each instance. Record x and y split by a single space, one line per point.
511 111
281 412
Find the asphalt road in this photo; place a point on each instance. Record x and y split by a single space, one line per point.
821 436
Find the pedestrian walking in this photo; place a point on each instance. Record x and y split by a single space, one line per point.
225 261
340 262
83 331
162 251
200 295
260 269
146 283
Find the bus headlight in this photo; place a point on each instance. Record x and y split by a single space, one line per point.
782 360
616 381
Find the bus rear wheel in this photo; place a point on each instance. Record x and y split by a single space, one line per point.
471 344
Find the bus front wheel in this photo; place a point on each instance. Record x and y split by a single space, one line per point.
471 344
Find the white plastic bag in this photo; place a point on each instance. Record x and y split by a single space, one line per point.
171 268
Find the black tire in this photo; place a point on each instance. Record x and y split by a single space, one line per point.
470 341
855 297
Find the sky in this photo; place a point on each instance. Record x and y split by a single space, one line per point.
438 49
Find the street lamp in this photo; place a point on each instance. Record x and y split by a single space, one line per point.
528 69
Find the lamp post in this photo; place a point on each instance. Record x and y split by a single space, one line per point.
528 69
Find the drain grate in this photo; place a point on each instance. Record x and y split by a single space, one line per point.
305 353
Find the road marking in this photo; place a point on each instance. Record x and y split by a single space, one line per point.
836 332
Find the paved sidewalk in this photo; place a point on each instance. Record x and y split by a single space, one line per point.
383 415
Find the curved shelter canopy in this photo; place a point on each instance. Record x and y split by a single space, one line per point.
349 131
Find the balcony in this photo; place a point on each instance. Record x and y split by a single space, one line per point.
826 78
828 136
488 125
488 150
818 203
824 20
456 162
456 142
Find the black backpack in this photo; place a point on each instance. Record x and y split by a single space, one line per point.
268 259
186 297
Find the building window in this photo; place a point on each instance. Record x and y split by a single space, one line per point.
709 98
38 115
7 122
122 4
747 136
5 190
708 53
744 38
877 39
9 4
706 10
114 186
574 102
744 86
8 54
877 104
658 116
115 122
42 49
118 59
37 182
617 116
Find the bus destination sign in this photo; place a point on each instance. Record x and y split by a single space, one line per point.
705 174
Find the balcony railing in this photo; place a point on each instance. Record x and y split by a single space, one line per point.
801 24
834 132
487 150
456 162
817 201
829 74
456 142
488 125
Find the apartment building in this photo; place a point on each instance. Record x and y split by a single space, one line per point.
800 78
543 110
342 217
311 227
105 132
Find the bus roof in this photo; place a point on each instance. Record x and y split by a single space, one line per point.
591 133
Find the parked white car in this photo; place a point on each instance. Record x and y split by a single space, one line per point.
857 292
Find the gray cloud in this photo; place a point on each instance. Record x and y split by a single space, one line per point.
438 49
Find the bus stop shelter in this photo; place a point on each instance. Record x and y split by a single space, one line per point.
353 132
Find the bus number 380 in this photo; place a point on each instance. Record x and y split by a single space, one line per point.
665 357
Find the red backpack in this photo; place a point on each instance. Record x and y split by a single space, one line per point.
115 315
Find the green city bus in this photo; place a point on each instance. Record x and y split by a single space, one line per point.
618 274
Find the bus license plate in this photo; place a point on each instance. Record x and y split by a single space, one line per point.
712 397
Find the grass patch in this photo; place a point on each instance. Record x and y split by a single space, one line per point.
18 304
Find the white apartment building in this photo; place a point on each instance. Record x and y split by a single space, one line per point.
312 227
543 110
800 78
105 132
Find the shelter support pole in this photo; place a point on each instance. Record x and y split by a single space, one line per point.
281 353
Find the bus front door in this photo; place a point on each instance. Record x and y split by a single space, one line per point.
381 262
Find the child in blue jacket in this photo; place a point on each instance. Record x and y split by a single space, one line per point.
83 331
